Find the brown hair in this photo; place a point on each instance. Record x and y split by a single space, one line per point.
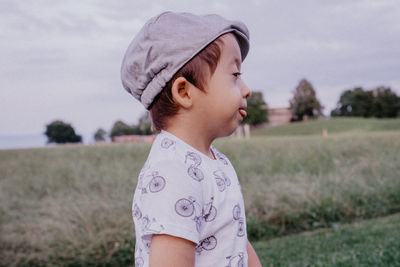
194 72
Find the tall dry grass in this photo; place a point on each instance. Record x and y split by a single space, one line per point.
69 202
72 205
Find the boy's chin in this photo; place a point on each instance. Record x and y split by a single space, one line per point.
228 132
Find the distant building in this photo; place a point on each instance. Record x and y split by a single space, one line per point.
134 138
279 116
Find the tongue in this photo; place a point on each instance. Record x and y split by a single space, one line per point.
243 113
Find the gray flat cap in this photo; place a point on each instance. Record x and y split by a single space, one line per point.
166 43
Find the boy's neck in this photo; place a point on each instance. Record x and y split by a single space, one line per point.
197 139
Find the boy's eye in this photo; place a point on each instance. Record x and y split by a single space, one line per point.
237 74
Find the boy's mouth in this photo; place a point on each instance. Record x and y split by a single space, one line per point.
243 112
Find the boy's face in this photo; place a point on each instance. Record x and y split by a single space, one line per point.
224 103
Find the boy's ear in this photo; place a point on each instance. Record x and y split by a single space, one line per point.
182 92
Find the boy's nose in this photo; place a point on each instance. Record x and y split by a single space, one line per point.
245 91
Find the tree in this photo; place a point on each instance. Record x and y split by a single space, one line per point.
345 105
305 102
144 126
61 132
356 102
386 104
257 112
380 102
120 128
100 135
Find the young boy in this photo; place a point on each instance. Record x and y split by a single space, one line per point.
188 206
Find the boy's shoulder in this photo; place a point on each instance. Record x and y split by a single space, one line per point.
166 153
165 148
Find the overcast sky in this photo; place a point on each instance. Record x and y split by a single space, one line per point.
61 59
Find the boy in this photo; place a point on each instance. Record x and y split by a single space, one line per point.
188 206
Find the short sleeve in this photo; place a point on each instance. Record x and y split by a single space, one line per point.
169 201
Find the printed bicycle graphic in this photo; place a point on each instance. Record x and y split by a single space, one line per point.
139 262
187 207
241 231
236 261
146 244
208 243
156 184
221 157
236 212
222 180
143 171
136 213
237 217
193 170
151 226
138 258
167 143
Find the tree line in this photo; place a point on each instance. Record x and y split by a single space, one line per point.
60 132
380 102
121 128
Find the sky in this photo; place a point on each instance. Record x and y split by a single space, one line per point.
61 59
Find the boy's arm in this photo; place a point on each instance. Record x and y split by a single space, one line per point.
253 258
167 250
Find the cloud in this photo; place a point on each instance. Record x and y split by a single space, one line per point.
62 59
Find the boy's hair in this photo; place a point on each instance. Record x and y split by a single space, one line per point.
197 71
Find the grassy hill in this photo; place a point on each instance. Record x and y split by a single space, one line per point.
71 205
333 125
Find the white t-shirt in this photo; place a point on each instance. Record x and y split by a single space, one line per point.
182 192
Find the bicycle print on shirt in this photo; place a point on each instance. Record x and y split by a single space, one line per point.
222 180
237 217
208 243
186 207
194 170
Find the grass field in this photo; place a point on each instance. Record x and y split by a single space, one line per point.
369 243
334 125
70 205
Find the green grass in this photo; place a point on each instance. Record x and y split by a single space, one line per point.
71 205
334 125
369 243
298 183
